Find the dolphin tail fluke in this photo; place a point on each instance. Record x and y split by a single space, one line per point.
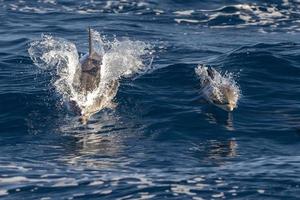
90 42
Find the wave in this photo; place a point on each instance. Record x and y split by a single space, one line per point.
269 16
243 15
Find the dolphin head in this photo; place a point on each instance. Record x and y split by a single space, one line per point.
230 98
228 102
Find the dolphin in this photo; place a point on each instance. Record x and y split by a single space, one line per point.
87 79
228 100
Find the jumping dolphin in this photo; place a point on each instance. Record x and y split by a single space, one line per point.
88 78
228 102
221 95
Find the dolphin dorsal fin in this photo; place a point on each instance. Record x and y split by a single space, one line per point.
210 72
90 42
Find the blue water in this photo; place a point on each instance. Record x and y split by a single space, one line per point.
163 140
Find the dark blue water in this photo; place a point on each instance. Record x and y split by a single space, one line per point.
162 141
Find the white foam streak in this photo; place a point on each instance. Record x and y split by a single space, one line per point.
16 179
3 192
186 20
184 12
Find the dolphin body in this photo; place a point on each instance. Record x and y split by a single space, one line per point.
87 79
228 102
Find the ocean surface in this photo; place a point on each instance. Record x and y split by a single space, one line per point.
162 140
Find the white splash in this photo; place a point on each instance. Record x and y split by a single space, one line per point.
16 179
120 59
220 88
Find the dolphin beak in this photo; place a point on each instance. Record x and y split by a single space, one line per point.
230 107
84 119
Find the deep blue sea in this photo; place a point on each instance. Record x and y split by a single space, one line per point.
163 140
